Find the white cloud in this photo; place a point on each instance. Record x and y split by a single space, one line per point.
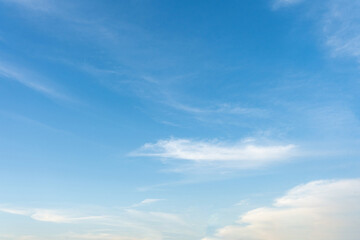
147 202
128 224
150 200
49 215
15 211
321 210
53 216
245 153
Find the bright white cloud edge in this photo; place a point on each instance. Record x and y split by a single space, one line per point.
321 210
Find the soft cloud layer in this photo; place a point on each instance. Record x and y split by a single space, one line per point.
73 236
246 153
115 223
99 236
321 210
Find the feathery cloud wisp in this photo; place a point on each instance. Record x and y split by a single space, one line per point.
147 202
341 26
35 5
27 79
127 224
283 3
339 22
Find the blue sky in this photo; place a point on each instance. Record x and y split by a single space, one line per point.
179 120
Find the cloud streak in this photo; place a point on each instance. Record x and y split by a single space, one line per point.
35 5
339 21
49 215
341 26
147 202
29 80
125 224
284 3
245 153
322 210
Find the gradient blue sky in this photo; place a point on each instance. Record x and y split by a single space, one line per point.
179 120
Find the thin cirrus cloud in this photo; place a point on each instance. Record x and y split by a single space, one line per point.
341 26
244 153
30 80
223 108
147 201
321 210
155 216
124 224
284 3
36 5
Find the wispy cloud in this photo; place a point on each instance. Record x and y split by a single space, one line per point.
341 26
126 224
319 210
49 215
147 202
155 216
77 236
36 5
245 153
223 108
30 80
339 23
98 236
132 76
284 3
